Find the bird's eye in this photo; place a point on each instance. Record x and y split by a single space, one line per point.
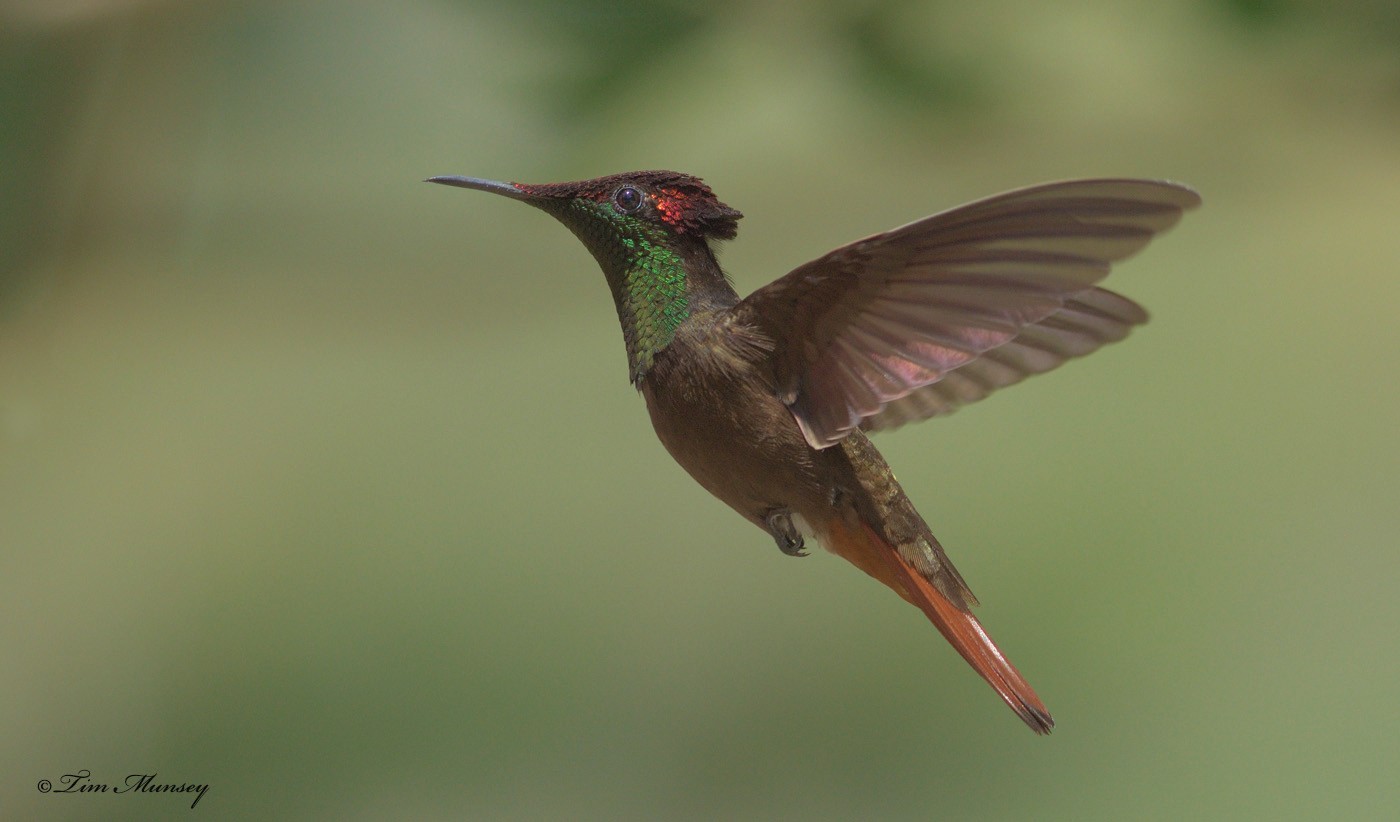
627 199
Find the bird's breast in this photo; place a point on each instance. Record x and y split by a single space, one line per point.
713 406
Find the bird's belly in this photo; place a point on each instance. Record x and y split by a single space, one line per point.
738 441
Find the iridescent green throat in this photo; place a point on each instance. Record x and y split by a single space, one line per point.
646 274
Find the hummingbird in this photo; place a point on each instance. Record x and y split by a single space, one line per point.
766 401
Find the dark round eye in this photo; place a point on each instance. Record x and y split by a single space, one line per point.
627 199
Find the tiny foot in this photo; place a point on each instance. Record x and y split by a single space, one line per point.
784 533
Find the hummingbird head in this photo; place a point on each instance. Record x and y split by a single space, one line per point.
650 233
671 202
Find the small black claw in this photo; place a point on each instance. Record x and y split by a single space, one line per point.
787 536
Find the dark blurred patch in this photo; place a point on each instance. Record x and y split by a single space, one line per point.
886 65
1256 12
613 44
34 77
1377 21
1351 32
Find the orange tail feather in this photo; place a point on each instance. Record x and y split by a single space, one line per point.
867 551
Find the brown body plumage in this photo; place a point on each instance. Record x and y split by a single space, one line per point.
712 401
765 400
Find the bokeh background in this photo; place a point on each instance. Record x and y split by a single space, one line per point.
326 487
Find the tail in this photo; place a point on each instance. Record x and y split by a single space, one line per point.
865 549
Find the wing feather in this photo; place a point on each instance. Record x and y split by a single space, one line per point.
925 318
1087 322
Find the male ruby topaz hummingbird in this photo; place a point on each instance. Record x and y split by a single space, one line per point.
766 400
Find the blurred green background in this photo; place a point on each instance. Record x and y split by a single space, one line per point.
326 487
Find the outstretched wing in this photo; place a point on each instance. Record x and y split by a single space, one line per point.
1086 322
916 321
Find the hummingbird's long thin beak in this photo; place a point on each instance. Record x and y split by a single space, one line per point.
493 186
